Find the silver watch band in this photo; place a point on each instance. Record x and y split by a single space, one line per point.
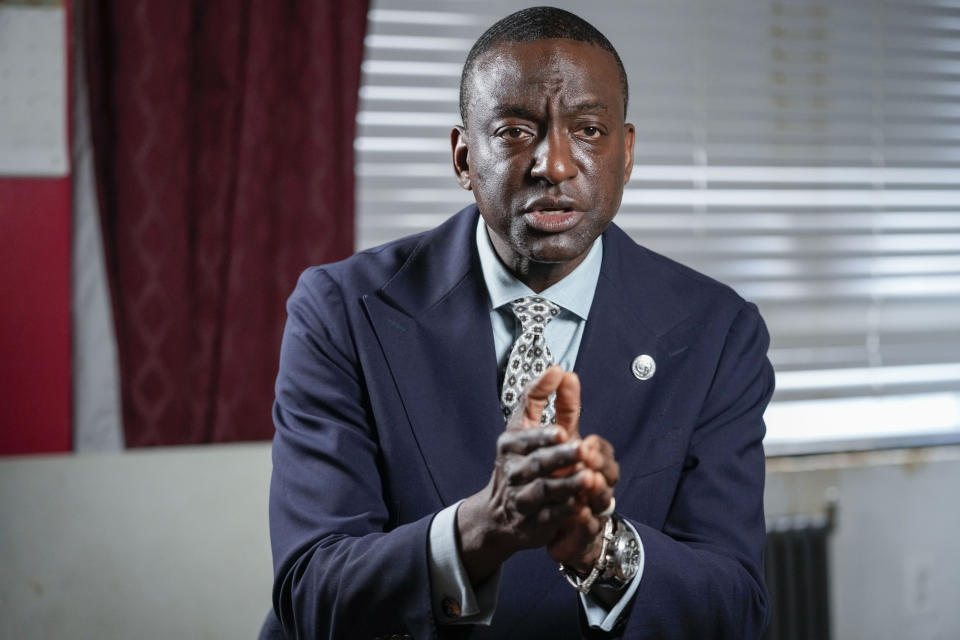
583 585
623 555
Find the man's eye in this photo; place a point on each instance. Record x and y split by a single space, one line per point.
514 133
591 132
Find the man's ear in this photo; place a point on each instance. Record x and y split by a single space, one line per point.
461 156
628 137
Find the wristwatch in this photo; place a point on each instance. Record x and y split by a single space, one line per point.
618 563
622 559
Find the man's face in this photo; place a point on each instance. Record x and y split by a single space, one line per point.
545 151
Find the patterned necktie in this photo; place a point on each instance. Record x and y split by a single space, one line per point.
529 355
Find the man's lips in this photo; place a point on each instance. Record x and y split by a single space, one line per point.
552 220
552 215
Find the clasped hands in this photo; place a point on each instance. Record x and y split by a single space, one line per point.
549 487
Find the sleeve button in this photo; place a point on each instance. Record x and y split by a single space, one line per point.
451 608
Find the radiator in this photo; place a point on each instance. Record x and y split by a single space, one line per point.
797 569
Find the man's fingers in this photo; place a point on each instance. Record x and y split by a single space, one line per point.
586 524
534 399
523 441
543 492
598 455
600 501
520 469
542 387
596 492
567 403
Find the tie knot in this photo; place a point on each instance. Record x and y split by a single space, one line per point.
534 312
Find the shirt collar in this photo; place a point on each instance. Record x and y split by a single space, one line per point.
574 293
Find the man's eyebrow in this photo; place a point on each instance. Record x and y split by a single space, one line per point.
589 106
514 111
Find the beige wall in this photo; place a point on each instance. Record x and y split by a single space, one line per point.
168 543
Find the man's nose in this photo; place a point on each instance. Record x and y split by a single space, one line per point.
554 161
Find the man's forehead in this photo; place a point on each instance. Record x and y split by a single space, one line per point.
511 75
518 108
550 58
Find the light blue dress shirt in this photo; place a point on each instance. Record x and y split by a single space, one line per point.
574 295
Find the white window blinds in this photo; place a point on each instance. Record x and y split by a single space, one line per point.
806 153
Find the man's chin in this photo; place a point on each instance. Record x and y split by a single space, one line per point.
557 250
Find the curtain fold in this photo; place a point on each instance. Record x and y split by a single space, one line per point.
223 139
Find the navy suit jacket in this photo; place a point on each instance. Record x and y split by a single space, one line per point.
387 410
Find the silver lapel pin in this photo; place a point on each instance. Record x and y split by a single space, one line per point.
643 367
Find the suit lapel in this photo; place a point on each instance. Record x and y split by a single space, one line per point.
612 398
433 323
629 318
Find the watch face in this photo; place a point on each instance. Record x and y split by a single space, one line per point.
629 559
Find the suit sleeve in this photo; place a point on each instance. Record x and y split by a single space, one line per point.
341 571
703 572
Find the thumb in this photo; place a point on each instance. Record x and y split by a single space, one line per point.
567 404
534 399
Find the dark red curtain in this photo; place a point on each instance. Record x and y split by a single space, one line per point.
223 136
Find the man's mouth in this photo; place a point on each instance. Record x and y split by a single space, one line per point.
552 220
552 214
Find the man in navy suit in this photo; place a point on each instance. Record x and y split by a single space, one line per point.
403 505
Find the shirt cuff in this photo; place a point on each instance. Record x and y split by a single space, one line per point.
596 613
454 599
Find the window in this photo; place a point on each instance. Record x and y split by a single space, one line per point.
806 153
